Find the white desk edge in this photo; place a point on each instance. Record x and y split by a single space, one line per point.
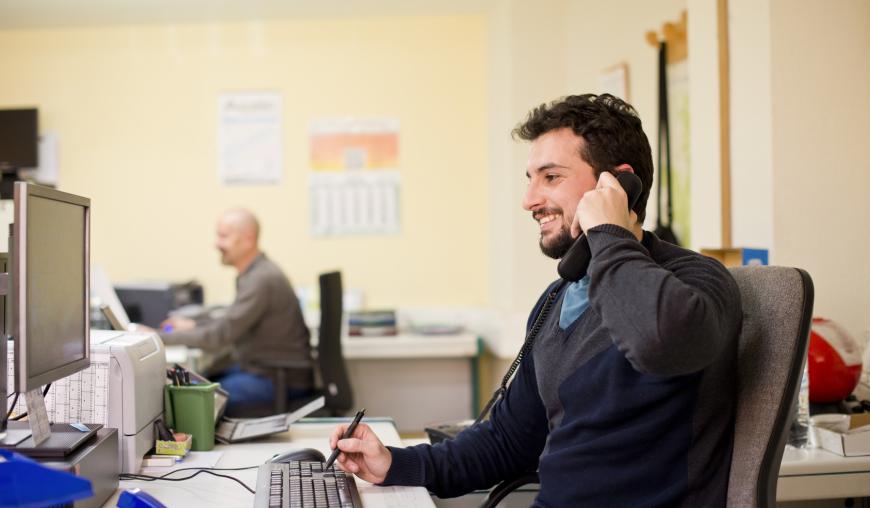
207 490
815 473
462 345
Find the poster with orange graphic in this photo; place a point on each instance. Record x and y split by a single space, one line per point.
347 144
354 183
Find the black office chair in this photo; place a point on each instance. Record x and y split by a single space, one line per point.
334 382
771 351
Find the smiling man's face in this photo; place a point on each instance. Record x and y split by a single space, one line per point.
558 178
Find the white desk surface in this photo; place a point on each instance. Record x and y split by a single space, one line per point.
206 490
460 345
815 473
410 346
804 473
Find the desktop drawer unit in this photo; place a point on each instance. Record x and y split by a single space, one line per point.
122 389
96 460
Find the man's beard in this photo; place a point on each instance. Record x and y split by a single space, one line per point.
559 246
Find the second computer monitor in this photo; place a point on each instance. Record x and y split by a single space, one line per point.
50 253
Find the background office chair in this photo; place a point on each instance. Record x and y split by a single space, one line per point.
334 382
330 367
771 352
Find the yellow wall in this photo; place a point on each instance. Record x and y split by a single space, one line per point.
799 104
821 172
135 109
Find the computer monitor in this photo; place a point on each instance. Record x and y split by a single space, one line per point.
19 138
50 252
150 303
103 293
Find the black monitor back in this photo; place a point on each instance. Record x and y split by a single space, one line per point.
150 304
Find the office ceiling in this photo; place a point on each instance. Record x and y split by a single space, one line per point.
71 13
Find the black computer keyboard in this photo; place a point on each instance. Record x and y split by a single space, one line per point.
305 485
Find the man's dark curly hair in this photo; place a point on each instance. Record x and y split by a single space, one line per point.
611 130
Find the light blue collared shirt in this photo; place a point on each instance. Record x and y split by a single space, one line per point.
575 303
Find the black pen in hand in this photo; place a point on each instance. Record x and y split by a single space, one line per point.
347 433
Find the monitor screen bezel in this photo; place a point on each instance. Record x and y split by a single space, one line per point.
24 381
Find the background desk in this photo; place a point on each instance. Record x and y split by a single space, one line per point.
208 491
819 474
418 379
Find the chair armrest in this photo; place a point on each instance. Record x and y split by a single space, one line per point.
506 487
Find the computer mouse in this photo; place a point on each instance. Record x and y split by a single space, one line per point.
303 455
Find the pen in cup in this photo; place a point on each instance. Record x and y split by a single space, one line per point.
347 433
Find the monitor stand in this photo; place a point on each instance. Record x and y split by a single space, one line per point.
14 436
63 441
38 438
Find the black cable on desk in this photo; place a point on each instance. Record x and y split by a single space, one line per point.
204 469
12 407
209 470
22 415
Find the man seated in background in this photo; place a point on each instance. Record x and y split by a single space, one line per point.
263 323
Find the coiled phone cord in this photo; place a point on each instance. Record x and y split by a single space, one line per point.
527 347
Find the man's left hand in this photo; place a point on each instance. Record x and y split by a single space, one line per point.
607 203
177 323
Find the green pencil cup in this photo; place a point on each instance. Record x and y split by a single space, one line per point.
190 409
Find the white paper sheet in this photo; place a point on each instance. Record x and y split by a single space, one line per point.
249 138
394 497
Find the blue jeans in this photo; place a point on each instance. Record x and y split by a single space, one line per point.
247 389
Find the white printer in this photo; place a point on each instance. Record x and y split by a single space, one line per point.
137 374
122 389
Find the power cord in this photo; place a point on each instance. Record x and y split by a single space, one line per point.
15 401
199 470
12 407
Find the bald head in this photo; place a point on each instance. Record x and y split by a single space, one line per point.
238 233
242 221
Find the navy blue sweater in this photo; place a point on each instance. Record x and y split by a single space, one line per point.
632 405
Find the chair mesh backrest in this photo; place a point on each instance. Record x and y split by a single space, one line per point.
777 310
330 359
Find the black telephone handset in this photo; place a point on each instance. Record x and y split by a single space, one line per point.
575 262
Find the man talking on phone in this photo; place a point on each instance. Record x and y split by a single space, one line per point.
627 397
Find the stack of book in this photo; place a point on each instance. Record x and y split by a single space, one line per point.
371 323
